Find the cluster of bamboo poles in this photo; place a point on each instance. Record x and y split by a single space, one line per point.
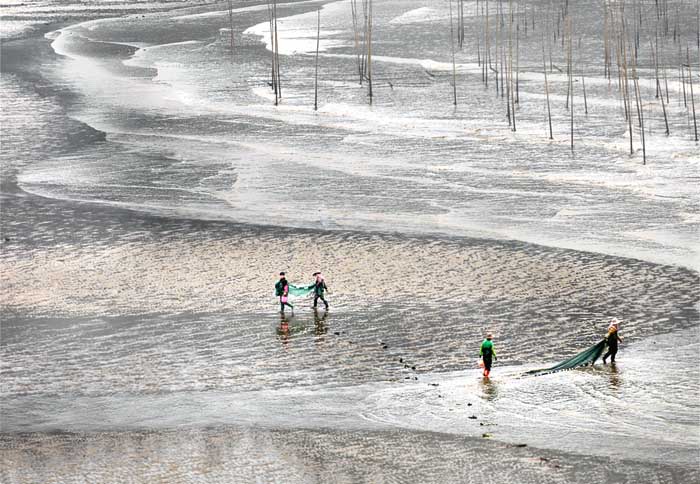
498 49
275 82
498 24
623 43
498 56
362 31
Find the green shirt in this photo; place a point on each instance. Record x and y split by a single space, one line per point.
487 348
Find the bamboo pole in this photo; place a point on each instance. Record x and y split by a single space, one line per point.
692 97
487 41
681 75
273 75
461 22
478 41
546 90
510 61
640 108
517 61
355 28
369 50
571 79
626 87
660 94
567 54
318 42
452 46
230 22
277 52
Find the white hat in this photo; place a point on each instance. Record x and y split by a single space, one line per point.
615 322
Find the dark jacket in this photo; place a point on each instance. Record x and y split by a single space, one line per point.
281 287
612 338
320 287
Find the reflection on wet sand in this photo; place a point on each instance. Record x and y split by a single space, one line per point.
320 327
489 389
290 325
283 329
615 380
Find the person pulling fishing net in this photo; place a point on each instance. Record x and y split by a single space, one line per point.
320 288
284 290
612 338
589 356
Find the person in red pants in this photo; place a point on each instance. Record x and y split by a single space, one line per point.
282 291
488 354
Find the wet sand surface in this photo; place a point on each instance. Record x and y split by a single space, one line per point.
235 455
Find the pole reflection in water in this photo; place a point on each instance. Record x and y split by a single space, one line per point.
614 377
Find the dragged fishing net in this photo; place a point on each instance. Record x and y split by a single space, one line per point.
587 357
299 291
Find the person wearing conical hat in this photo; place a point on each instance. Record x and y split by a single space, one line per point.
319 289
612 338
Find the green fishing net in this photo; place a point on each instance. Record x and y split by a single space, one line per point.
587 357
300 291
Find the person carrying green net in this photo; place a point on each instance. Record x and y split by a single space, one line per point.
282 291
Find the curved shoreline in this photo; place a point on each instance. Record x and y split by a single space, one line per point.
616 248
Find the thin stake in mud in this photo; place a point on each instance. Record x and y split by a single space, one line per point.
461 23
570 69
318 41
692 96
273 76
358 54
277 53
487 46
622 50
681 75
452 46
478 40
230 23
517 61
546 90
511 91
369 49
660 94
640 109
